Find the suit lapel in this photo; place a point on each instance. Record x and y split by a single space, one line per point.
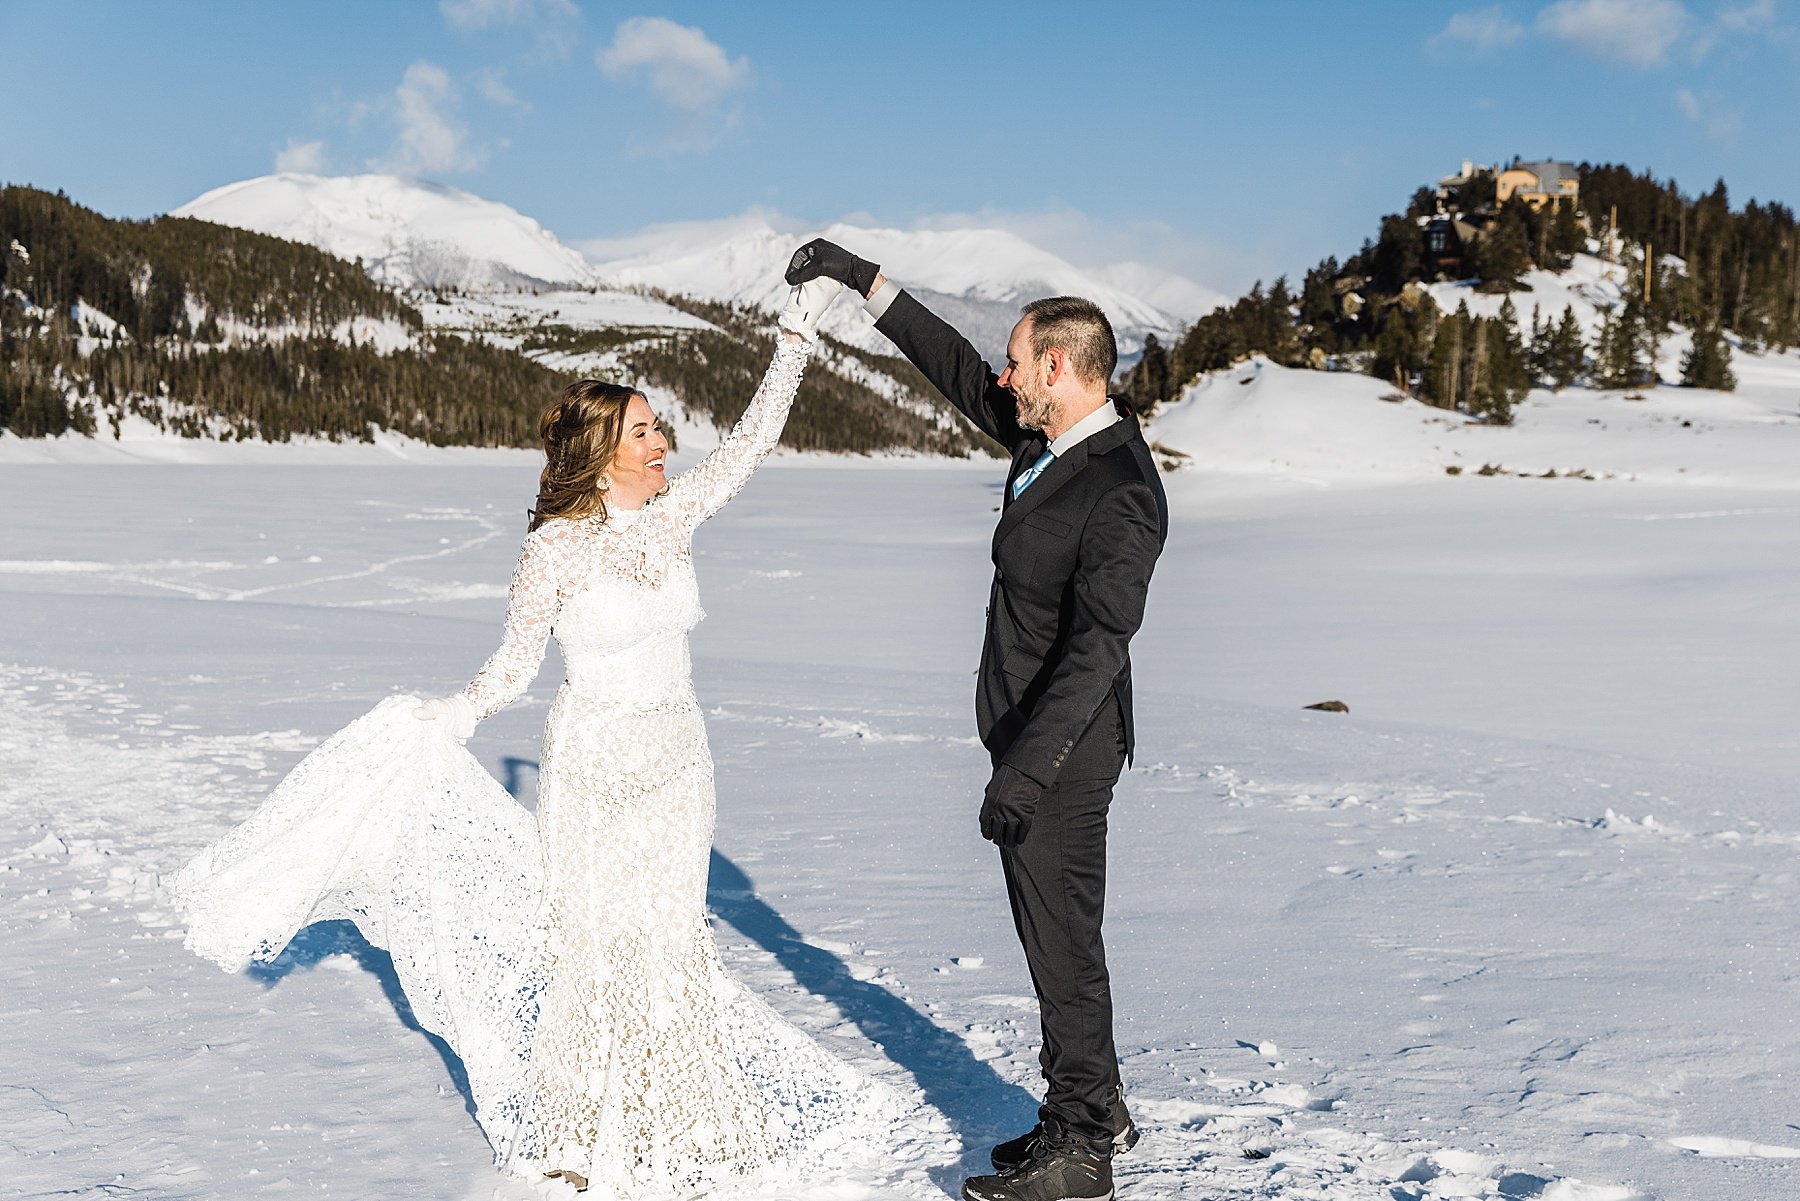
1062 469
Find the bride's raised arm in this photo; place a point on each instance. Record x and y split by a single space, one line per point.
704 489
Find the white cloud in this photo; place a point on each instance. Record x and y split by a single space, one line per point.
481 14
1483 29
307 158
1636 32
1754 15
685 68
429 137
1719 123
684 237
491 83
1090 242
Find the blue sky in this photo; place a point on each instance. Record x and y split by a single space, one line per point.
1228 141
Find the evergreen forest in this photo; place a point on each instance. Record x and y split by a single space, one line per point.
207 331
1737 274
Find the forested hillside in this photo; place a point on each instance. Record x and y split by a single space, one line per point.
1681 261
208 331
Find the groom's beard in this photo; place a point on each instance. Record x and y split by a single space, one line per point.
1034 407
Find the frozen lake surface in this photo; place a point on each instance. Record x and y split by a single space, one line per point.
1519 925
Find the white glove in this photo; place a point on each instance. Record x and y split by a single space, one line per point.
807 303
455 712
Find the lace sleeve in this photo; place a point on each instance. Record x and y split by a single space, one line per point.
530 613
705 488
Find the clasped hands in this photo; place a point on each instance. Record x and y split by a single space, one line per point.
818 271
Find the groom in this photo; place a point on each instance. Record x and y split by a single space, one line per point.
1082 523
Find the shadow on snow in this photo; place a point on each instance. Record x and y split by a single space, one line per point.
980 1106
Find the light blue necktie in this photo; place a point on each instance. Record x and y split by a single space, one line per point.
1032 472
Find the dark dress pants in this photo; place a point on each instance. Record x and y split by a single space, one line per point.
1056 883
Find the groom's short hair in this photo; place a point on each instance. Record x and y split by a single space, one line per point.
1079 329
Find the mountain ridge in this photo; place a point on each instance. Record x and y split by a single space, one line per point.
426 237
406 233
209 331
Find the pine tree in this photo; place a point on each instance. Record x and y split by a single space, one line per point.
1512 368
1148 384
1278 338
1505 253
1537 349
1404 335
1648 330
1567 353
1446 376
1398 256
1618 350
1318 307
1708 364
1565 239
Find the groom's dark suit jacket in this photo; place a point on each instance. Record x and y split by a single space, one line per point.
1072 560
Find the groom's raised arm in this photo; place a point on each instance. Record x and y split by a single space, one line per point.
947 359
944 356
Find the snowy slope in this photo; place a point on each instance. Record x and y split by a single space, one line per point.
1261 419
409 234
976 278
1591 287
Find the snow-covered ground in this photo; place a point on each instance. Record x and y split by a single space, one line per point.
1517 926
1259 419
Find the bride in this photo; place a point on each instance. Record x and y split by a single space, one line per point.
570 966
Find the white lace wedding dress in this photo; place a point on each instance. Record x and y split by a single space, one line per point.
570 965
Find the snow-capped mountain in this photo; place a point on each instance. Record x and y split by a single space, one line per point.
1176 295
419 236
408 234
975 278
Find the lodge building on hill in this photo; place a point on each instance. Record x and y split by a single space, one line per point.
1548 184
1469 201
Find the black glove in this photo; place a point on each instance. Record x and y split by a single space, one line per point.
1011 802
819 257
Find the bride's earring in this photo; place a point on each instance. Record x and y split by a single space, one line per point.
605 484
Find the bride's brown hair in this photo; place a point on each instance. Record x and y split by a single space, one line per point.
581 433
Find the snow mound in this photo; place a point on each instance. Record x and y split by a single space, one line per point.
1261 419
1258 418
408 233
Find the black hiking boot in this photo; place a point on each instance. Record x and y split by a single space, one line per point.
1014 1153
1062 1167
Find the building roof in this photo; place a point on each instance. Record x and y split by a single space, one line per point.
1550 172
